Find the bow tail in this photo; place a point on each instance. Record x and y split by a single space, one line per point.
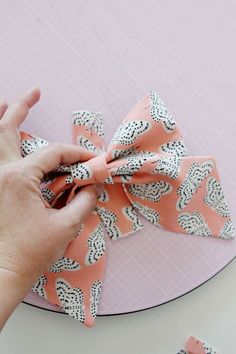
74 282
116 212
190 201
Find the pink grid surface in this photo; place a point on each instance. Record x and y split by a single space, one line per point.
105 55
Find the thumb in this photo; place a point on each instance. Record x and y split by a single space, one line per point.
73 214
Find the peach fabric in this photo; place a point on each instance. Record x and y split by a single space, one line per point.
146 169
196 346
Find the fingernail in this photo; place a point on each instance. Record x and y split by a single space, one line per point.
28 92
34 88
3 104
99 188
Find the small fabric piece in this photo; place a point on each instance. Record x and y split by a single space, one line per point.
195 346
146 169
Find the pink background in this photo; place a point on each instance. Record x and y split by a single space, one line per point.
104 55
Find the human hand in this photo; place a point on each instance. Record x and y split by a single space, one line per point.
32 236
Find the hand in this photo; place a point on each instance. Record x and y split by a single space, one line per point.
32 236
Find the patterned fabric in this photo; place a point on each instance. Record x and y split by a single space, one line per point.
146 170
195 346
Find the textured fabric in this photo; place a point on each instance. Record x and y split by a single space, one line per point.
196 346
146 169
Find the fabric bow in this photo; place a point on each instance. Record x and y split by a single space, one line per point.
146 169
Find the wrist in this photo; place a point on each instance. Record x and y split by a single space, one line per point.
14 288
17 276
17 265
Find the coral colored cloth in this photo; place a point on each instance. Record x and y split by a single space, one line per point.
195 346
146 169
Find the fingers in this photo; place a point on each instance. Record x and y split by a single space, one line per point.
3 108
47 159
10 119
75 213
16 113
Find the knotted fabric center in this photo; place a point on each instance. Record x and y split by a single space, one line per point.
92 171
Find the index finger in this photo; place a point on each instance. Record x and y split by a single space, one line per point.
17 111
48 158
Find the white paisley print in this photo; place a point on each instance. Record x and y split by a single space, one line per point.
129 132
228 231
134 163
96 245
150 214
109 220
118 153
168 166
104 197
131 215
94 297
196 174
47 194
177 147
150 191
160 113
86 144
64 263
215 197
71 299
194 224
80 171
39 286
92 120
29 146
